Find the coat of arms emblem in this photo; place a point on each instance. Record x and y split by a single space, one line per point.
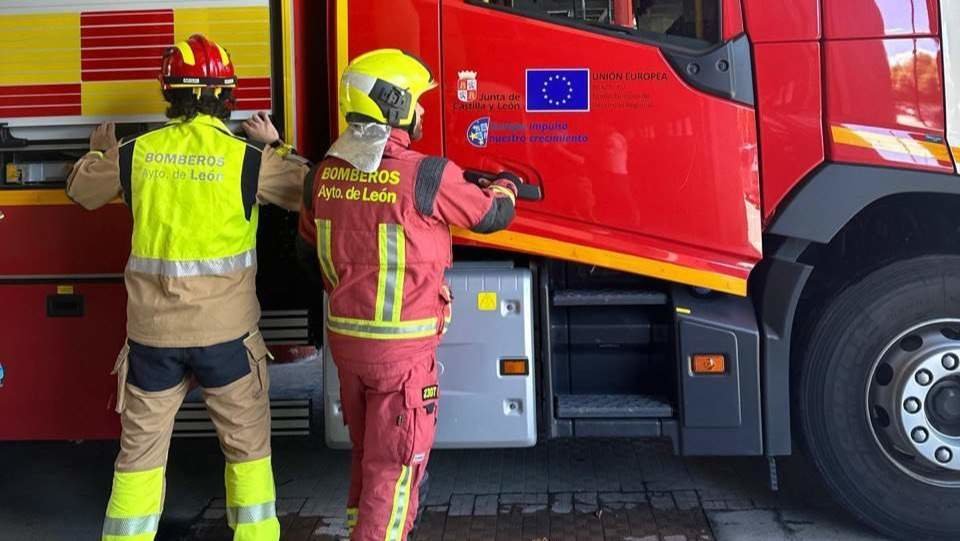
467 86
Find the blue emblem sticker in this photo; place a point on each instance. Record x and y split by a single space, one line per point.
478 132
558 90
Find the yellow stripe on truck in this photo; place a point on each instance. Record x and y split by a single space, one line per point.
609 259
120 98
950 56
30 198
883 142
343 52
289 75
40 49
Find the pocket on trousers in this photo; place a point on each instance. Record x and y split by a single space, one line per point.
120 368
257 353
421 398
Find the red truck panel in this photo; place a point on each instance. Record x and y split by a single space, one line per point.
790 106
847 19
732 13
413 26
889 110
57 381
782 20
60 238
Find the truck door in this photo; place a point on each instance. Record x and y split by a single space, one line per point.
635 119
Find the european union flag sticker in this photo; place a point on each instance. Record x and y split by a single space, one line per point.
558 90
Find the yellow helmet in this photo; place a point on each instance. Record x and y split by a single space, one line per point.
384 86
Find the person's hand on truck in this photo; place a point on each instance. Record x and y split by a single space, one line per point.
104 137
259 128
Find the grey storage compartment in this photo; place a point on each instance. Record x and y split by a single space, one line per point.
479 407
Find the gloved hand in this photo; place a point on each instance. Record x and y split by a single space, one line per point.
104 137
505 185
505 180
259 128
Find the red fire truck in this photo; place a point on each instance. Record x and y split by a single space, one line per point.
739 227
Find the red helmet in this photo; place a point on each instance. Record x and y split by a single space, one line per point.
197 63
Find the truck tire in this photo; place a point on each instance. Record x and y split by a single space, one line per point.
880 374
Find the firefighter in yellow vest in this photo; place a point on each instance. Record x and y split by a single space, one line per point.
192 310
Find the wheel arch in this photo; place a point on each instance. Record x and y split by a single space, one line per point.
836 193
826 236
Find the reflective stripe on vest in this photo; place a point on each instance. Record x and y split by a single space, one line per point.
191 186
392 245
324 253
386 323
222 265
382 330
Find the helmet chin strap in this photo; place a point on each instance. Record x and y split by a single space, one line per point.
413 125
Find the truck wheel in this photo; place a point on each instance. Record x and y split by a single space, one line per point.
879 398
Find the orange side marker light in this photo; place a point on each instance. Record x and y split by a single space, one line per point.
514 367
709 363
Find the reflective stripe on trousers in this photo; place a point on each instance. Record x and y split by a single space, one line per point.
401 503
352 514
136 501
251 501
250 514
201 267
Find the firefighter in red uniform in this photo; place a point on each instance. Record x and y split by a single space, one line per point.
376 217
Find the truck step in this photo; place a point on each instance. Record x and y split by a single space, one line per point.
608 297
612 406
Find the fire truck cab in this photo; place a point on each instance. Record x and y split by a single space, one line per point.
737 227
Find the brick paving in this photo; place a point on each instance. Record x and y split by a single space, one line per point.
564 490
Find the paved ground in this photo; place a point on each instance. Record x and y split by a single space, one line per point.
563 490
559 490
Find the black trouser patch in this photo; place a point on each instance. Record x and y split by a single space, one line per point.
158 369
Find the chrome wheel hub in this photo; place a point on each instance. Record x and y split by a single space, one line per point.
913 402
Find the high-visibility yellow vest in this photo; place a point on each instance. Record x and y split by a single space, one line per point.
191 186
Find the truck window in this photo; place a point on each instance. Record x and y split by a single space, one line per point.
692 23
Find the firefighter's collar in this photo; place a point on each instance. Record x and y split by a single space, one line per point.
362 145
209 120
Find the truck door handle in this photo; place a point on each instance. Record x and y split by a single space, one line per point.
525 191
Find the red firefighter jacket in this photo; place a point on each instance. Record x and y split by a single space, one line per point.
382 240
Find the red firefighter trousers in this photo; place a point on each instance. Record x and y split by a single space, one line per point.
392 422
